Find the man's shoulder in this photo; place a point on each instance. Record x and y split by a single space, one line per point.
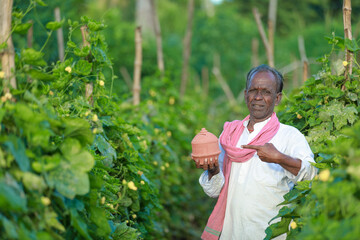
288 130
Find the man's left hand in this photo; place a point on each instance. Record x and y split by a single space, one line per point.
267 152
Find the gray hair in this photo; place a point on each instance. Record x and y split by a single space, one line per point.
265 68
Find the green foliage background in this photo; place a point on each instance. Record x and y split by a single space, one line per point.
101 168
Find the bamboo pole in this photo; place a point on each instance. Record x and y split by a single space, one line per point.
205 80
187 48
304 59
59 34
263 37
271 29
137 66
217 72
160 58
30 34
255 52
89 87
126 76
347 35
7 54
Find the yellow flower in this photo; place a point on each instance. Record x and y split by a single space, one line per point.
168 133
95 118
2 74
324 175
162 168
132 186
140 172
8 95
3 99
51 93
345 63
124 181
171 100
298 116
45 201
155 163
94 131
127 221
142 182
101 83
293 225
103 200
68 69
152 93
167 165
87 113
133 216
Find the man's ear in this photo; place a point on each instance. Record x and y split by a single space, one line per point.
278 98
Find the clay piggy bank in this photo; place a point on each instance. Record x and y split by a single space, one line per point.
205 149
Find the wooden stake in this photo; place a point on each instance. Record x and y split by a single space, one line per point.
304 59
205 80
263 37
347 35
137 66
89 87
217 72
126 76
60 36
7 54
187 48
30 34
160 58
255 52
271 29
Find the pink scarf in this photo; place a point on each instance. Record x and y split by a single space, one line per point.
229 138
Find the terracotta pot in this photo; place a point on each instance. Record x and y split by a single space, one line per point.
205 148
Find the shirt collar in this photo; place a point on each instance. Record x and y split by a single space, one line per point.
257 126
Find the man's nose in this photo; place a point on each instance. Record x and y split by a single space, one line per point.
258 95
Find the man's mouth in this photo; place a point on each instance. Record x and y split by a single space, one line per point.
257 106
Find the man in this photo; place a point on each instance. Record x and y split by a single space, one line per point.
260 161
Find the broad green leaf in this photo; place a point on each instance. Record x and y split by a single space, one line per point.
69 182
95 26
70 147
41 3
79 129
71 44
284 212
39 75
83 52
105 149
100 55
52 221
124 232
12 198
82 161
33 181
33 57
98 216
54 25
83 67
22 28
17 148
351 45
79 224
277 229
303 185
10 228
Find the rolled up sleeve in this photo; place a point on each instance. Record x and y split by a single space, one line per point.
300 149
213 186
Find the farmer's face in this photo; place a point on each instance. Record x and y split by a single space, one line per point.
261 96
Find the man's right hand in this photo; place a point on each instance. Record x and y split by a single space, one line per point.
211 164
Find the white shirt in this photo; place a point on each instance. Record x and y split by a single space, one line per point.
257 187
